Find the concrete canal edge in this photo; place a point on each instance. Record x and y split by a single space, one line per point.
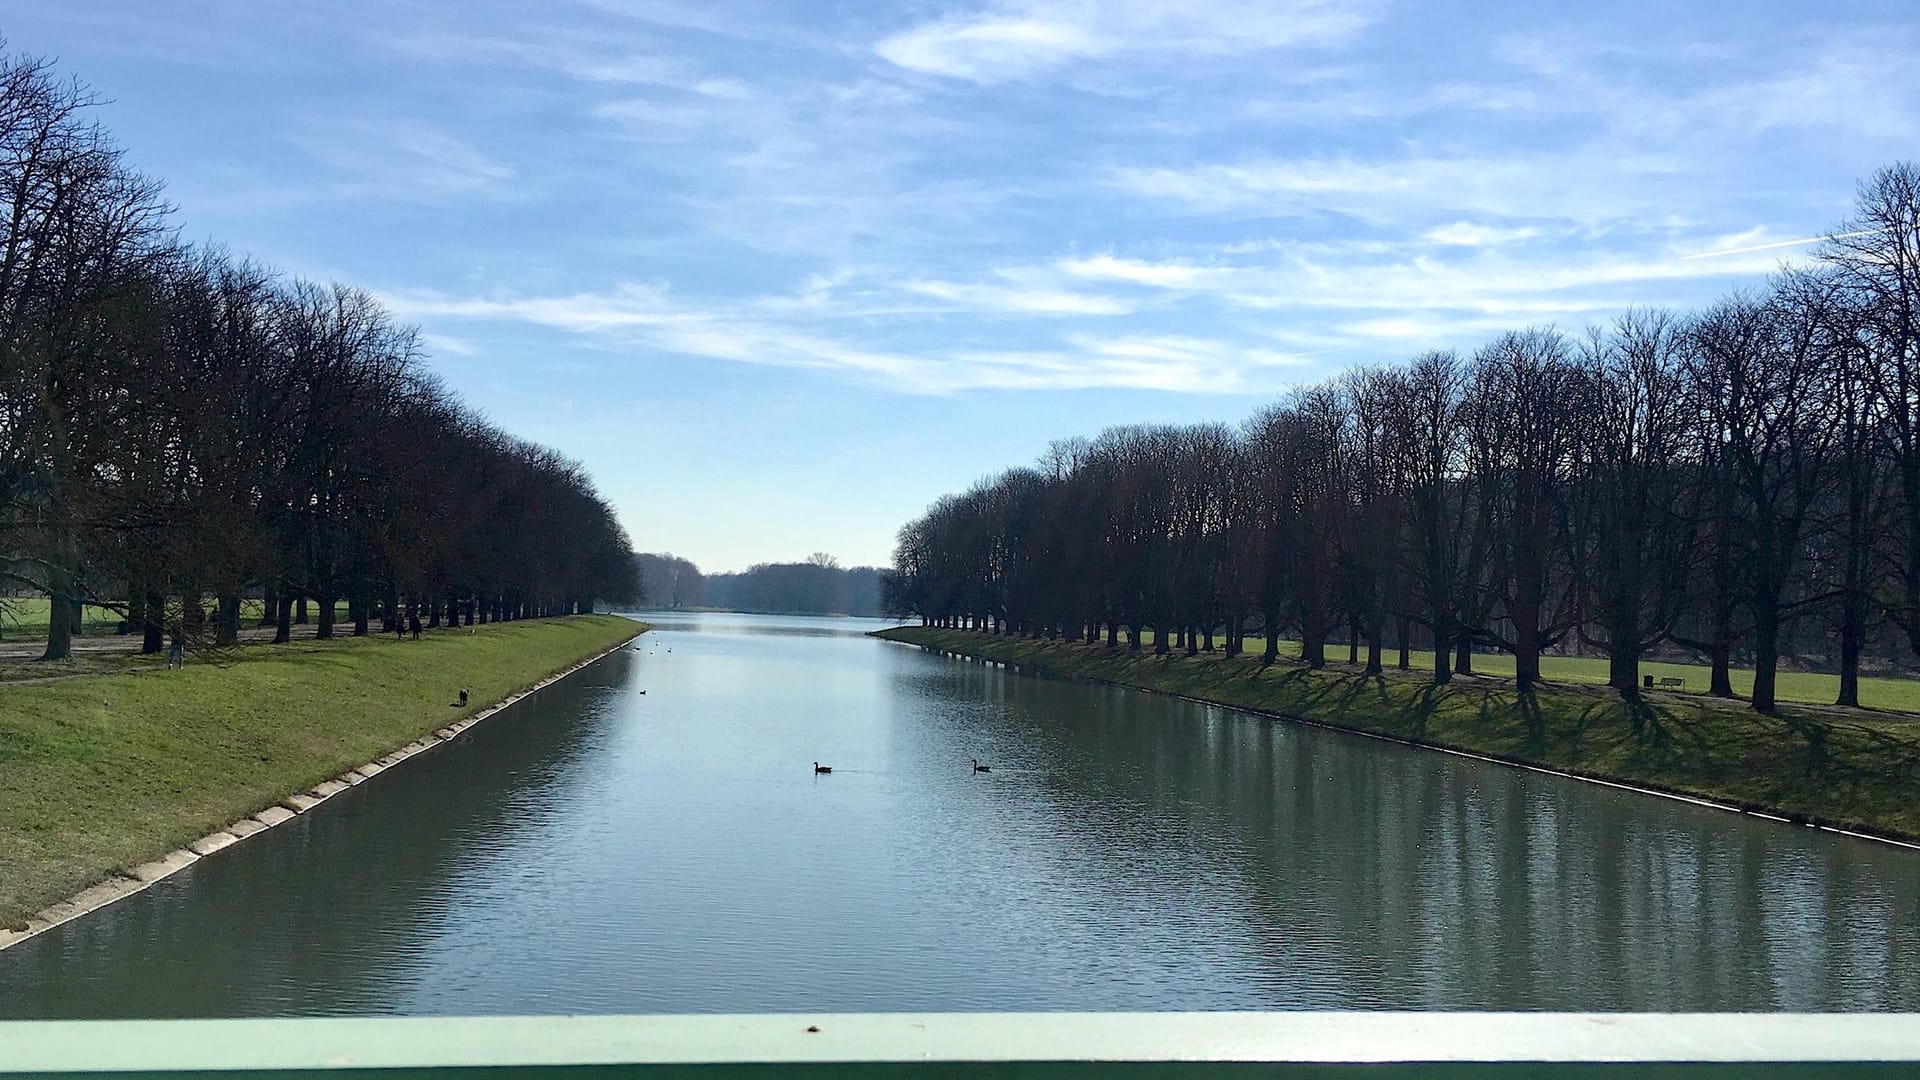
139 878
1762 812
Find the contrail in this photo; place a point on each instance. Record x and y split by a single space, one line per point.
1779 244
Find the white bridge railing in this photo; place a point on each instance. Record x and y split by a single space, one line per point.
1372 1044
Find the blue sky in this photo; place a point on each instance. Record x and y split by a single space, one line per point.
780 273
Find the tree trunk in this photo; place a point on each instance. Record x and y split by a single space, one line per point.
60 584
1623 670
153 619
1721 679
1463 654
227 630
1852 633
1526 644
300 610
324 602
1766 656
1623 646
1313 635
283 620
269 607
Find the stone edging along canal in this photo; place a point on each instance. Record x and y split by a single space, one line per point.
1512 763
120 886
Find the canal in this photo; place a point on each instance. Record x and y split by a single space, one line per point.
649 836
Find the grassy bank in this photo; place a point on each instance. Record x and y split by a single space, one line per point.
1805 687
1858 771
101 773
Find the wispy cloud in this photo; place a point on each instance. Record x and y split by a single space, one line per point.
448 345
1163 275
1212 196
638 318
1746 243
619 60
1590 187
403 160
628 305
1032 301
1021 39
1475 234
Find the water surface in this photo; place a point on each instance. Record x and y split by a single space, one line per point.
597 849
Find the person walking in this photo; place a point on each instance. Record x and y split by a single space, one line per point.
413 624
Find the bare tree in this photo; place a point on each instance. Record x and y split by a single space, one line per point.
1632 531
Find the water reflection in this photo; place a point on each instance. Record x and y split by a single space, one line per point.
599 850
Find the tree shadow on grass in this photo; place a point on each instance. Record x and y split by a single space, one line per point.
1813 735
1419 715
1646 721
1533 722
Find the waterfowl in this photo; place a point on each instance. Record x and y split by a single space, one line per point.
819 768
977 767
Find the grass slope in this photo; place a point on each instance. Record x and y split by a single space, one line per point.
99 774
1859 771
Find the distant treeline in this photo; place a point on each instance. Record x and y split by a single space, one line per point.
819 586
1740 483
179 425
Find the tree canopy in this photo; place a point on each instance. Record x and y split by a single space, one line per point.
179 423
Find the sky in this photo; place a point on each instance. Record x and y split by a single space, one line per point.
779 274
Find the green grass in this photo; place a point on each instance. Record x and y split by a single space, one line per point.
100 774
1805 687
1855 770
24 618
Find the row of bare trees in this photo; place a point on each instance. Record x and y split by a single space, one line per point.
1739 484
179 427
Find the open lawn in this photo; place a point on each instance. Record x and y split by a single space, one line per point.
1844 767
24 618
100 774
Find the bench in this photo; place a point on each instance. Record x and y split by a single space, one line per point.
1672 683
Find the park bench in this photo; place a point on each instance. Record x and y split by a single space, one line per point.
1672 683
